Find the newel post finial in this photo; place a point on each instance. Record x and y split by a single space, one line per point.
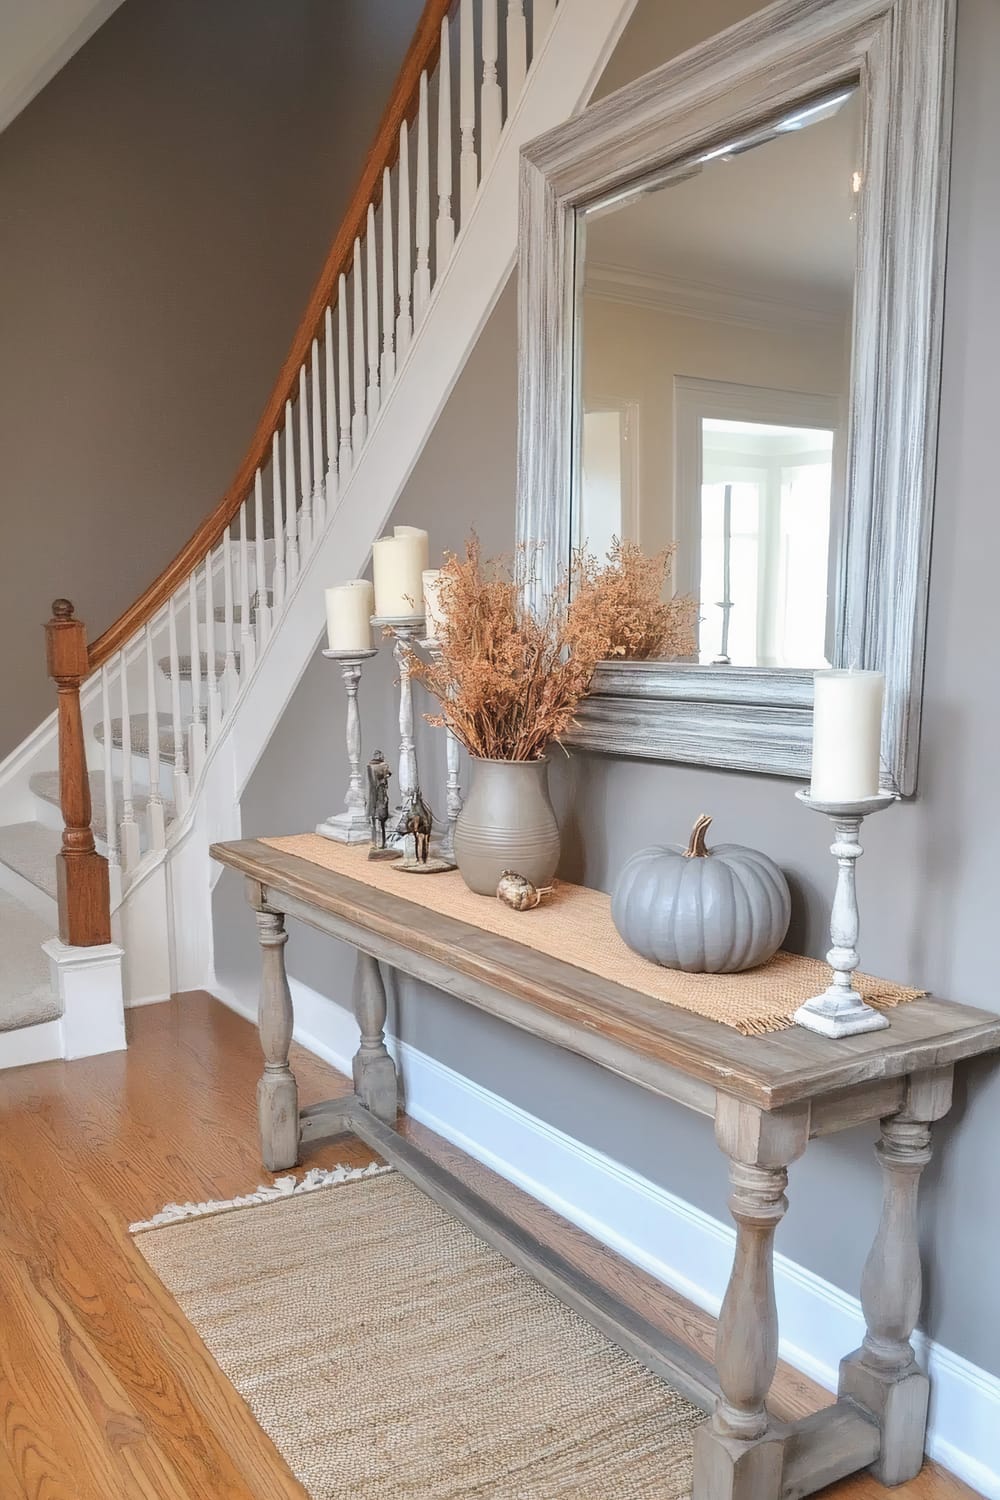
82 884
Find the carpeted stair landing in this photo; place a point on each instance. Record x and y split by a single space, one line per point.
26 997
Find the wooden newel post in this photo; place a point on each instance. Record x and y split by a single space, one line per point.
82 884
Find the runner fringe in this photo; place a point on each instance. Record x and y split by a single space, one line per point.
282 1187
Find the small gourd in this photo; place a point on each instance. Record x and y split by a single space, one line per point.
517 892
706 911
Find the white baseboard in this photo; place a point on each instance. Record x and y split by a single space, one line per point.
680 1245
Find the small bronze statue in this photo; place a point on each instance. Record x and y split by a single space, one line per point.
417 819
377 804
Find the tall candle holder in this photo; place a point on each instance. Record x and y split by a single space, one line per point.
404 632
840 1011
350 826
453 792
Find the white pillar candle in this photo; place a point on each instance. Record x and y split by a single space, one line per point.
398 563
433 611
847 734
349 608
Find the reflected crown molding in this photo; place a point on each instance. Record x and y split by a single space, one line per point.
703 299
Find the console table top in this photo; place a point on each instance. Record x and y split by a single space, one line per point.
632 1033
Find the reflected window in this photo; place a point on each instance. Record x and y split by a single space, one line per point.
764 543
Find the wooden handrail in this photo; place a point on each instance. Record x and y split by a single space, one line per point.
82 880
422 55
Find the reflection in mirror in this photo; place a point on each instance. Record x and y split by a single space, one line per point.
715 305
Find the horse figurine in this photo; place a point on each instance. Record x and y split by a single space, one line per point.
417 819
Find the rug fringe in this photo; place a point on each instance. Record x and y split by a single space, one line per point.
282 1187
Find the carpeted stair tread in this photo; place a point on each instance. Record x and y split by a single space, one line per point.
26 997
139 734
30 850
45 784
184 665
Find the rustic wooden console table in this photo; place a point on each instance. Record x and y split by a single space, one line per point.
767 1095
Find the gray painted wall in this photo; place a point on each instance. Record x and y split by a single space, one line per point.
928 879
167 203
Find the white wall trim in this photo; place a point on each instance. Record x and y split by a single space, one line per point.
677 1243
703 299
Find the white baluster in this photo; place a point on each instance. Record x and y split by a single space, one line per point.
359 426
110 808
248 645
196 729
130 841
346 458
262 614
305 470
318 494
422 274
182 785
490 98
211 675
278 576
445 223
404 322
468 165
331 415
230 672
291 503
517 52
371 307
542 15
388 370
155 818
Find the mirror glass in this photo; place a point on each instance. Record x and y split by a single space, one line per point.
714 316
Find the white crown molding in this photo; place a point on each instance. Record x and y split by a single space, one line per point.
677 1243
38 38
703 299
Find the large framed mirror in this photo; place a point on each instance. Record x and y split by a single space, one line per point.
730 291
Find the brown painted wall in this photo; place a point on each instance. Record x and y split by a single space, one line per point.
165 205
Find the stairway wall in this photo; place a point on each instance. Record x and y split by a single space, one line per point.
169 199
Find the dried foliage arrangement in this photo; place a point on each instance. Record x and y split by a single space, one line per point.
622 599
509 681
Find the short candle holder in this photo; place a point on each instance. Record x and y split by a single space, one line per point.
840 1010
350 826
405 631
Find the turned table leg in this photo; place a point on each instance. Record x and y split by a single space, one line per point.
883 1375
739 1452
374 1070
277 1093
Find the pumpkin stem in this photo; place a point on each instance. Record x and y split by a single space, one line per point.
696 843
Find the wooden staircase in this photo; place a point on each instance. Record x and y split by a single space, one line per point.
171 707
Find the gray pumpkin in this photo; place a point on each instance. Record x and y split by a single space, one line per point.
707 911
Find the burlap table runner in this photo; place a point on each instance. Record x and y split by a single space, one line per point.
575 925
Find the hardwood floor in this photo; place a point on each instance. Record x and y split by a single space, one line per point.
105 1390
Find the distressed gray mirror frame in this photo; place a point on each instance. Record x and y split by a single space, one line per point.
900 54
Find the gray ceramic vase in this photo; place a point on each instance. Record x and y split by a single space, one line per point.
507 823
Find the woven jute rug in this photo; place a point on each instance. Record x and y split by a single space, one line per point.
575 924
391 1355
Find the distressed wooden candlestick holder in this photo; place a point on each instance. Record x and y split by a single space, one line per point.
453 791
405 633
350 826
840 1011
